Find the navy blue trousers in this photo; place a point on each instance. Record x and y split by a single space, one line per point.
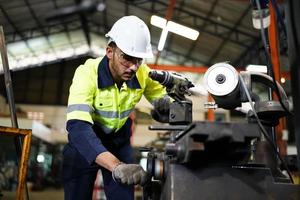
79 176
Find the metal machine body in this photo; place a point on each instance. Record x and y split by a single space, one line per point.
210 160
221 182
228 167
218 160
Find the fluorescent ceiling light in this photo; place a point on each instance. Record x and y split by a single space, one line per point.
257 68
174 27
158 21
182 30
162 39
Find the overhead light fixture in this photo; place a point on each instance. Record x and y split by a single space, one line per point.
169 26
158 21
162 39
182 30
257 68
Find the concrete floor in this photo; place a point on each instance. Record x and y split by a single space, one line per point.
55 194
49 194
58 194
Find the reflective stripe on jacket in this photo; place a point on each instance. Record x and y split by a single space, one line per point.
95 98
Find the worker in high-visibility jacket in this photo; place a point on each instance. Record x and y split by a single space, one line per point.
103 93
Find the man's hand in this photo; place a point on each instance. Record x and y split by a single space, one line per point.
161 110
129 174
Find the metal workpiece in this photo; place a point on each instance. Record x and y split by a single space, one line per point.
156 165
159 170
224 84
222 81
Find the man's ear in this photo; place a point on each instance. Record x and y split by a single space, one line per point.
109 52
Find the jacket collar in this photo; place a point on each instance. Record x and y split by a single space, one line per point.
105 78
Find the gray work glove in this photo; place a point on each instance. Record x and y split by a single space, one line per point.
161 109
129 174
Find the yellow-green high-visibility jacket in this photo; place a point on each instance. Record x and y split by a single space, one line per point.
95 98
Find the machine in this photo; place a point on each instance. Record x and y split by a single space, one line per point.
218 160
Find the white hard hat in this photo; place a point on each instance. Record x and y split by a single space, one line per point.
132 36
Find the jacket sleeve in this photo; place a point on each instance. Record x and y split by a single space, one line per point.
83 138
82 91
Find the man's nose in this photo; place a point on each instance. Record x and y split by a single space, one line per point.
133 67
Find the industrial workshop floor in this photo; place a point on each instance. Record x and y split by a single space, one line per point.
54 194
49 194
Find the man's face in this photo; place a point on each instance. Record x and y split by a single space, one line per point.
123 67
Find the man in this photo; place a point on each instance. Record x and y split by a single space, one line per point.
103 93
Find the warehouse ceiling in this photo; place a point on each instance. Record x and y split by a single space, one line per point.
45 32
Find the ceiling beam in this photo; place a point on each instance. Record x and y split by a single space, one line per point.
84 24
41 28
64 25
196 26
191 49
220 47
169 15
210 20
17 30
247 54
50 30
175 17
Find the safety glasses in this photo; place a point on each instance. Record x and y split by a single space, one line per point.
127 59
